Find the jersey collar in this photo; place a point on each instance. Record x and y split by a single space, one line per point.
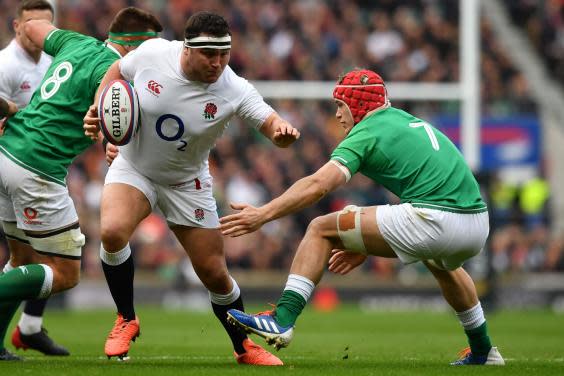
113 49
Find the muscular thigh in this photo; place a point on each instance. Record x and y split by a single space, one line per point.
123 207
22 253
354 229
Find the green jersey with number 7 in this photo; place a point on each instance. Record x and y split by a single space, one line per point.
47 135
413 160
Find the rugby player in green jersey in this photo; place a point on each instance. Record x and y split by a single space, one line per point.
441 220
39 144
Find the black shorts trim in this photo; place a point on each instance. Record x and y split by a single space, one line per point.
16 238
56 232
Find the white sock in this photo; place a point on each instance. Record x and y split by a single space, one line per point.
228 298
115 258
300 285
30 324
472 318
47 282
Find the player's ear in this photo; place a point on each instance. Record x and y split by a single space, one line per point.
15 25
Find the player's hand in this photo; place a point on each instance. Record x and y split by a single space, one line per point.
112 152
249 219
285 135
2 122
342 262
92 123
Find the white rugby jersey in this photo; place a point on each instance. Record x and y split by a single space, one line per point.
182 119
19 74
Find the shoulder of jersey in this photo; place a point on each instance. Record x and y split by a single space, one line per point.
156 44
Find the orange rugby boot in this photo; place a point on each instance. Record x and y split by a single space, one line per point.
256 355
119 339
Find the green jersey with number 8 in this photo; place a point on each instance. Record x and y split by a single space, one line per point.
47 135
413 160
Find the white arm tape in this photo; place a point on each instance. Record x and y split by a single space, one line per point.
343 169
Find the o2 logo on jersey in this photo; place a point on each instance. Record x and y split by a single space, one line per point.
159 127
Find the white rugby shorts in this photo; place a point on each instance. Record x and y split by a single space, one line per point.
447 238
188 203
36 204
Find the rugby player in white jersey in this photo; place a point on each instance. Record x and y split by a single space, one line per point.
187 95
22 67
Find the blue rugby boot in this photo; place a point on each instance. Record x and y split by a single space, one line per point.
468 359
264 325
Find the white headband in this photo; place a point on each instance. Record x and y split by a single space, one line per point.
219 43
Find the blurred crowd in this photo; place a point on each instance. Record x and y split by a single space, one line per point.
543 21
412 40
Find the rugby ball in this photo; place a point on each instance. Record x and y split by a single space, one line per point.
118 110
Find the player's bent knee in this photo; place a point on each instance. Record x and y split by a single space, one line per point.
66 244
65 276
322 226
114 238
349 229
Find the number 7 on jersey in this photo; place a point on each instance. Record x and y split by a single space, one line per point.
430 133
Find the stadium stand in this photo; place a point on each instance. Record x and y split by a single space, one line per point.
414 41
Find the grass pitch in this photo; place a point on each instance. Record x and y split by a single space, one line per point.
344 342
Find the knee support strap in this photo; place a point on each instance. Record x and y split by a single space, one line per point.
349 228
66 244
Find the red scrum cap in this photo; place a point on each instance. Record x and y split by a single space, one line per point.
362 91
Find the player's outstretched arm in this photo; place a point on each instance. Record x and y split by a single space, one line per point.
37 31
91 119
279 131
301 194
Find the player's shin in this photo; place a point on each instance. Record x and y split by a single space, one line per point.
476 330
293 300
7 311
119 271
221 304
26 282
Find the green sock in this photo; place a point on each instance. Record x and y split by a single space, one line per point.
22 283
479 341
288 308
7 311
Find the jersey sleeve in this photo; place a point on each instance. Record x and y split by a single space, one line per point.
6 85
353 149
253 109
58 39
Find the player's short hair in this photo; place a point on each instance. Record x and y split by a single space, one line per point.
207 23
133 19
33 5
